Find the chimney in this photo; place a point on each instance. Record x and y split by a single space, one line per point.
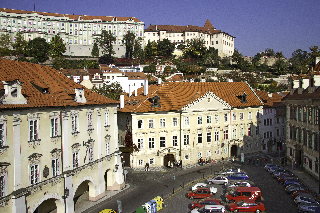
145 86
159 81
121 101
129 90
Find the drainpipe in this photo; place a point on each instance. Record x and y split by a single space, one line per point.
180 135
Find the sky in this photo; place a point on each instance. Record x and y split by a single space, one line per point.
281 25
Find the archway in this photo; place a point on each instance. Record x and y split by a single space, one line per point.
234 150
167 158
84 192
49 206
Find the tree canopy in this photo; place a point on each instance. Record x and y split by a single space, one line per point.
105 42
5 45
38 48
129 41
112 91
57 47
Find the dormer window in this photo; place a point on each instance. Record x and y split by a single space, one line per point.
155 101
242 98
12 93
80 98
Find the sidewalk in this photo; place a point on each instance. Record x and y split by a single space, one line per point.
83 203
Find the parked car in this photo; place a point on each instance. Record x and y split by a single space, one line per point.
292 182
292 188
205 201
243 193
307 199
238 176
283 178
230 171
209 209
247 206
273 169
277 173
300 192
204 185
307 207
200 193
240 184
269 165
218 180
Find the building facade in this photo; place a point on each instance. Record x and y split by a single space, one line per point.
187 121
58 141
77 31
212 37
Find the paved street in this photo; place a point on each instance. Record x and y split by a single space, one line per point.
147 185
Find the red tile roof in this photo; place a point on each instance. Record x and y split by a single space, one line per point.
175 95
135 75
59 86
269 101
72 17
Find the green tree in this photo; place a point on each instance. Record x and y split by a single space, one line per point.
151 50
315 52
57 47
5 45
112 91
195 49
280 66
165 48
105 42
137 49
20 44
38 48
150 69
167 70
270 52
241 63
95 50
58 63
128 41
299 62
256 60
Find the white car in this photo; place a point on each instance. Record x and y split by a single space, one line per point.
200 185
240 184
218 180
207 208
230 171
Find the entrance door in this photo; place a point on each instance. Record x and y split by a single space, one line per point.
234 150
167 158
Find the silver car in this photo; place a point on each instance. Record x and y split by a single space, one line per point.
309 200
307 207
218 180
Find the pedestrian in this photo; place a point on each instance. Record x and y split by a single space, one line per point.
271 160
181 164
169 164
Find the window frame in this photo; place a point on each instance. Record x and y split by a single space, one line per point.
33 129
174 140
199 120
54 127
140 124
241 116
162 122
199 137
186 139
209 119
162 141
151 143
174 122
34 174
75 159
186 121
55 167
151 124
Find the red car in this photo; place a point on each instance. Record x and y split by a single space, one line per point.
247 206
299 192
200 193
203 202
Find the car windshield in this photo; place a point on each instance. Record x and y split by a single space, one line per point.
240 203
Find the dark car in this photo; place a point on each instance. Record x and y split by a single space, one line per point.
292 182
238 176
307 199
203 202
269 165
292 188
300 193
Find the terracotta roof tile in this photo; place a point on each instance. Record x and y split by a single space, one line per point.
59 86
135 75
175 95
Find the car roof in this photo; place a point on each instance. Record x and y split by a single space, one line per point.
213 206
247 189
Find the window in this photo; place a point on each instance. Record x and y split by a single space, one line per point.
33 130
216 118
208 137
226 117
74 124
107 148
186 139
216 135
278 132
140 143
234 116
2 185
54 127
55 167
162 141
140 162
209 119
257 130
75 159
162 122
34 174
234 133
140 124
241 116
249 115
90 153
2 135
174 121
199 137
89 121
225 134
199 119
249 131
107 118
151 161
151 124
151 143
174 140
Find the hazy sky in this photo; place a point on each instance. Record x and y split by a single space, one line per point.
282 25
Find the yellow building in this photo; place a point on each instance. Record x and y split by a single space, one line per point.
58 140
187 121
